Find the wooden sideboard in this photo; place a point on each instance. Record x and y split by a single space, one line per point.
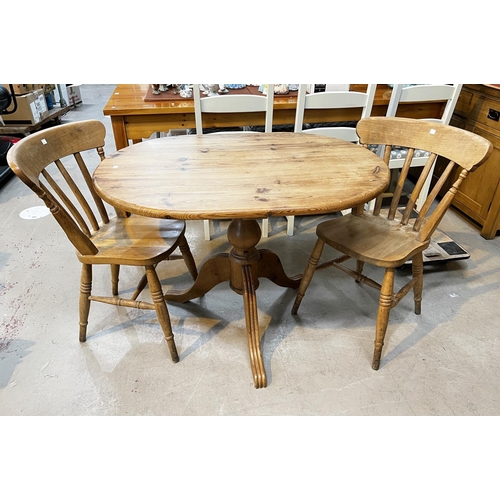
478 110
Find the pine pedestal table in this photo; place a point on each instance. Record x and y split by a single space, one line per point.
243 177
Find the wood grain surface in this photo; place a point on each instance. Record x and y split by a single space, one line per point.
240 176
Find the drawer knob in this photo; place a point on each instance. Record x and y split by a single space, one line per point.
493 114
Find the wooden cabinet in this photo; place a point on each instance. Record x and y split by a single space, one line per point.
478 110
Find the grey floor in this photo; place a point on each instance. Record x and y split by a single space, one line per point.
444 362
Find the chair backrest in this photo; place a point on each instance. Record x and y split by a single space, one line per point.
426 93
37 161
335 99
459 147
233 103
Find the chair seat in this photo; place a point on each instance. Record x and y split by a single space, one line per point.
134 240
371 239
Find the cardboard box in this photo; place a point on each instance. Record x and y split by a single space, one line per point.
63 90
23 88
74 95
31 109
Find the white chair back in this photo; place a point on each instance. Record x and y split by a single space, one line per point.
337 99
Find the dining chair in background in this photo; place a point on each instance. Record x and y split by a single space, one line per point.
428 93
389 238
233 103
67 190
335 99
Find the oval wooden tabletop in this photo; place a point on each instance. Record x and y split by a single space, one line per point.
247 175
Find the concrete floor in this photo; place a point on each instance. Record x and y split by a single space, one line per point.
444 362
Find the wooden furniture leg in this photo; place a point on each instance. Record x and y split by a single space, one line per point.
188 257
242 267
252 326
161 310
417 266
85 289
308 273
119 131
384 309
115 273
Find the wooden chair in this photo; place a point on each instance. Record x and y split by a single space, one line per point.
390 240
338 99
448 94
98 239
233 103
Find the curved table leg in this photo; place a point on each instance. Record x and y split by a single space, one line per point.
270 267
252 324
242 267
215 270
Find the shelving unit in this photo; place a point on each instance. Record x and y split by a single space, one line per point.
25 129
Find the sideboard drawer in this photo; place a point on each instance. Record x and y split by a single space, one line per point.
487 112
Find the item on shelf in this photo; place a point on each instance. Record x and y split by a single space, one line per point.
281 88
160 87
213 88
183 89
186 91
235 85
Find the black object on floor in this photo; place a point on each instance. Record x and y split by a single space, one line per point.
6 142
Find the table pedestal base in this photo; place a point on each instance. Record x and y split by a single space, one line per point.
242 267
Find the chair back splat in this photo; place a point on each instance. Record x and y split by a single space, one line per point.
439 140
40 151
386 238
442 99
53 164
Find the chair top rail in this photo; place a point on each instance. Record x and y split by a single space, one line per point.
459 146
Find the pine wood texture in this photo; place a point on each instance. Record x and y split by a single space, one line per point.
243 177
389 238
225 176
38 160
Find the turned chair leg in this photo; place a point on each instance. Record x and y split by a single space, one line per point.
161 310
308 273
85 289
418 272
359 268
188 257
115 272
384 308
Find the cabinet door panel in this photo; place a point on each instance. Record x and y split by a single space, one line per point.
477 191
464 103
